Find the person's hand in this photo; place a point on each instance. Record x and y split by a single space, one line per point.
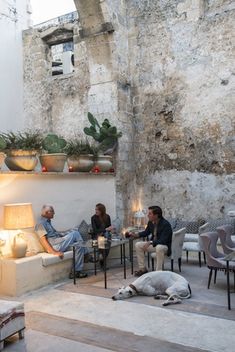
59 254
110 228
133 234
147 244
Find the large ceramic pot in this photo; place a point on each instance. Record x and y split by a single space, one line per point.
19 247
2 158
53 162
104 162
82 163
21 160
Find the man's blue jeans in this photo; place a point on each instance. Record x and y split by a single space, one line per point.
69 239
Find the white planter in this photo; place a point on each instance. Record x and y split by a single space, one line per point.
82 163
21 160
104 162
53 162
2 158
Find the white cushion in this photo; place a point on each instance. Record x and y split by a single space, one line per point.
191 247
7 308
191 237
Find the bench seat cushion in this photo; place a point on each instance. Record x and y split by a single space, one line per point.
49 259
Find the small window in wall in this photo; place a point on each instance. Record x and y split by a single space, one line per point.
62 58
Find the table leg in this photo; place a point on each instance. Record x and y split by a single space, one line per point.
105 272
95 260
124 259
74 270
228 286
121 253
131 255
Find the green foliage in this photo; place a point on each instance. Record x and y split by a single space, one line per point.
21 140
105 134
77 147
54 144
2 143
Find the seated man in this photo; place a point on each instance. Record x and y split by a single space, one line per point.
159 234
58 242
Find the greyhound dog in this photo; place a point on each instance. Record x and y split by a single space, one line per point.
160 284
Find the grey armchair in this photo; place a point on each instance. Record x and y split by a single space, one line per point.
215 259
225 232
176 248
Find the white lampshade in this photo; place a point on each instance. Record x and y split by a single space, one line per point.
18 216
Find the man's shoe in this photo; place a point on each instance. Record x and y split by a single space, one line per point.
140 272
78 275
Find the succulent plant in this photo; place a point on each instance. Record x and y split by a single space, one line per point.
54 144
2 143
21 140
105 134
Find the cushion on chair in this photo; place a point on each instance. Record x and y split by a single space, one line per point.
191 237
191 247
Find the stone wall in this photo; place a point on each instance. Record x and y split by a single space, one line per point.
162 71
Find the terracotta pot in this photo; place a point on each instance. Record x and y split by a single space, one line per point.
53 162
21 160
82 163
19 247
104 162
2 158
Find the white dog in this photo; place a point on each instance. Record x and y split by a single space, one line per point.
161 284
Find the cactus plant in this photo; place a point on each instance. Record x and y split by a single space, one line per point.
54 144
105 134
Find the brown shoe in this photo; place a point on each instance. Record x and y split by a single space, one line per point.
140 272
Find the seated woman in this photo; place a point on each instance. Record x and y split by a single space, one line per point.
101 226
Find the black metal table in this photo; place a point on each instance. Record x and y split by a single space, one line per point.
105 245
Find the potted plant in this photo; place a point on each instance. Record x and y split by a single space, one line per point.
2 147
80 156
55 157
107 138
21 149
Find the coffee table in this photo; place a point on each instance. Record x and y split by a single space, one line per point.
105 245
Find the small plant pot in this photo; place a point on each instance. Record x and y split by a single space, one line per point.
2 158
104 162
21 160
82 163
53 162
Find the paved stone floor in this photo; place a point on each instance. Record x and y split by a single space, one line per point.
81 318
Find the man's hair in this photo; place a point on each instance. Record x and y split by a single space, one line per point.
156 210
45 209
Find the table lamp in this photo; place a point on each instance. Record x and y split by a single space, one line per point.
138 216
17 217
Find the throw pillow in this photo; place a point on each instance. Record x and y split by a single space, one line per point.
83 228
33 244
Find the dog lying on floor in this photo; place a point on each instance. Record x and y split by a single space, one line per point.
160 284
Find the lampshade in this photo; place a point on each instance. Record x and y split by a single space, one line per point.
139 214
18 216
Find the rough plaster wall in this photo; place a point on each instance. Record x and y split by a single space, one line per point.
165 77
182 82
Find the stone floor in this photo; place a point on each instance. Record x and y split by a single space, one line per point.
80 318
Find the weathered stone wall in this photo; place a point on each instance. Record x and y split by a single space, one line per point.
163 72
182 83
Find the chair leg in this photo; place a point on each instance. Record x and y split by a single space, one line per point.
204 256
209 279
172 264
215 275
187 256
199 258
148 260
152 264
179 263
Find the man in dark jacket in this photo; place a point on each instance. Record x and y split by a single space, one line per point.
159 236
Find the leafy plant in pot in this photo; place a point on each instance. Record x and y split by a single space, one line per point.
80 156
55 158
21 149
2 147
107 138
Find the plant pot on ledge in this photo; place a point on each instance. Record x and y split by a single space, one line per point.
21 160
104 162
53 162
81 163
2 158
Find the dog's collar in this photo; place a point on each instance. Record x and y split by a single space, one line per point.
134 288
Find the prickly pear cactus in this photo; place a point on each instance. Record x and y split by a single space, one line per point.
2 143
54 144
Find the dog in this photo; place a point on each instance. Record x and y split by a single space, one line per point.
160 284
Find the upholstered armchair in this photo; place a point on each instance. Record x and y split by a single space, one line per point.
225 232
